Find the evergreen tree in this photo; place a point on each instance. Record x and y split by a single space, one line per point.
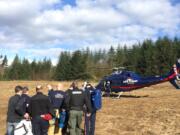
111 57
5 61
33 70
78 65
62 71
25 70
119 57
176 48
15 69
163 55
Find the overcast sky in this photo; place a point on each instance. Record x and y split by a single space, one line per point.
43 28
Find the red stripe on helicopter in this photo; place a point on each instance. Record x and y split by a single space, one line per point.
144 85
170 77
129 87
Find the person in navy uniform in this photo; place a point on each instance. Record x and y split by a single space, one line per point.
57 98
89 121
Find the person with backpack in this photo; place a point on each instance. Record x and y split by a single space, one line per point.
26 97
22 105
13 117
76 99
95 99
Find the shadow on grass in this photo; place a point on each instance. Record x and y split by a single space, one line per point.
125 96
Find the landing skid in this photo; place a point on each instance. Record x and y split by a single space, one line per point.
112 94
119 95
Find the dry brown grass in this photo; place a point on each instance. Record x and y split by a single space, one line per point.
150 111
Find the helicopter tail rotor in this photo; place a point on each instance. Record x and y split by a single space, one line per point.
176 79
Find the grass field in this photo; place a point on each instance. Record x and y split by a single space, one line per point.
149 111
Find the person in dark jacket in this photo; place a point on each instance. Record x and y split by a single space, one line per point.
90 121
65 130
23 104
39 108
75 101
13 118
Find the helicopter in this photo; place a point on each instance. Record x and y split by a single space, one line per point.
124 81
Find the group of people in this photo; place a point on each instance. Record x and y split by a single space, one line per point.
59 112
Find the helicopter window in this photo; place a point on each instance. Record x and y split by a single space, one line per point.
133 75
116 80
126 75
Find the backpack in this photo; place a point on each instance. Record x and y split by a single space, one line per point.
62 119
20 106
96 99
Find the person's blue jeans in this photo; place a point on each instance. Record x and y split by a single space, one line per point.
39 126
90 123
10 128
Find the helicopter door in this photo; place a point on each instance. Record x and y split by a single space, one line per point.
107 86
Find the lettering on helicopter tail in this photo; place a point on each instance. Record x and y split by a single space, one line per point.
130 81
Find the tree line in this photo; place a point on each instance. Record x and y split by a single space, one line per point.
25 70
146 58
